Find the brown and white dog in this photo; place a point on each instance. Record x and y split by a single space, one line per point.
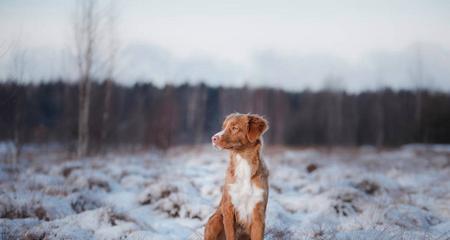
242 209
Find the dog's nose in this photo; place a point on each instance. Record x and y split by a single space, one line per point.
214 138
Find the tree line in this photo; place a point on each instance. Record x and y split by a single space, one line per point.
149 116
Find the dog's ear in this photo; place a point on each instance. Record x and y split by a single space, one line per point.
257 126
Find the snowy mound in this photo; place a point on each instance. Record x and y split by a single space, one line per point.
360 193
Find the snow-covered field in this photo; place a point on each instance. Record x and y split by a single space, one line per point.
354 193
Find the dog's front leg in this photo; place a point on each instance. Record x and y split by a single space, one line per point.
228 221
258 222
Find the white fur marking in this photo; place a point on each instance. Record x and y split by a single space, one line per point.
219 134
244 194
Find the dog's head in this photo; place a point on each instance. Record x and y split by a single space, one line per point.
240 131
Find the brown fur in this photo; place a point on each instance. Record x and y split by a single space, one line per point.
241 134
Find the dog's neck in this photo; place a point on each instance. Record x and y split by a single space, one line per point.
251 152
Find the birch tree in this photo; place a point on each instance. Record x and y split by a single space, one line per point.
86 34
18 70
112 49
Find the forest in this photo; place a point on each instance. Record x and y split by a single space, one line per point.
149 116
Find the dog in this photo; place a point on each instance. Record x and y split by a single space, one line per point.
242 209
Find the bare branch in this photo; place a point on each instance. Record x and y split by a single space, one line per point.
86 35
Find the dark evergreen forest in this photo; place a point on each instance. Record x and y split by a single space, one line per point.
148 116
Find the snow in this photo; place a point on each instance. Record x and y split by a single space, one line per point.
341 193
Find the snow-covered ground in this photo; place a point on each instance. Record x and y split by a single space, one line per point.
344 193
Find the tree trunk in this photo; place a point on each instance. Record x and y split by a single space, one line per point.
83 118
105 115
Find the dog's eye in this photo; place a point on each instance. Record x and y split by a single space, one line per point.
234 128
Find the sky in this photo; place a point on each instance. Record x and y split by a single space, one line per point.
295 45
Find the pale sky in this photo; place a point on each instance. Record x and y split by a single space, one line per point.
288 44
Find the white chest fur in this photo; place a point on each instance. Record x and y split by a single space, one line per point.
244 194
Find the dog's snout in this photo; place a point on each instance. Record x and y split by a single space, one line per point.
216 138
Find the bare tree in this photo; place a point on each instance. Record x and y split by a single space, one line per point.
112 48
5 48
17 67
419 82
86 33
379 108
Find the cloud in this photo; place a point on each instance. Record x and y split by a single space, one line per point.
419 65
145 62
295 72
